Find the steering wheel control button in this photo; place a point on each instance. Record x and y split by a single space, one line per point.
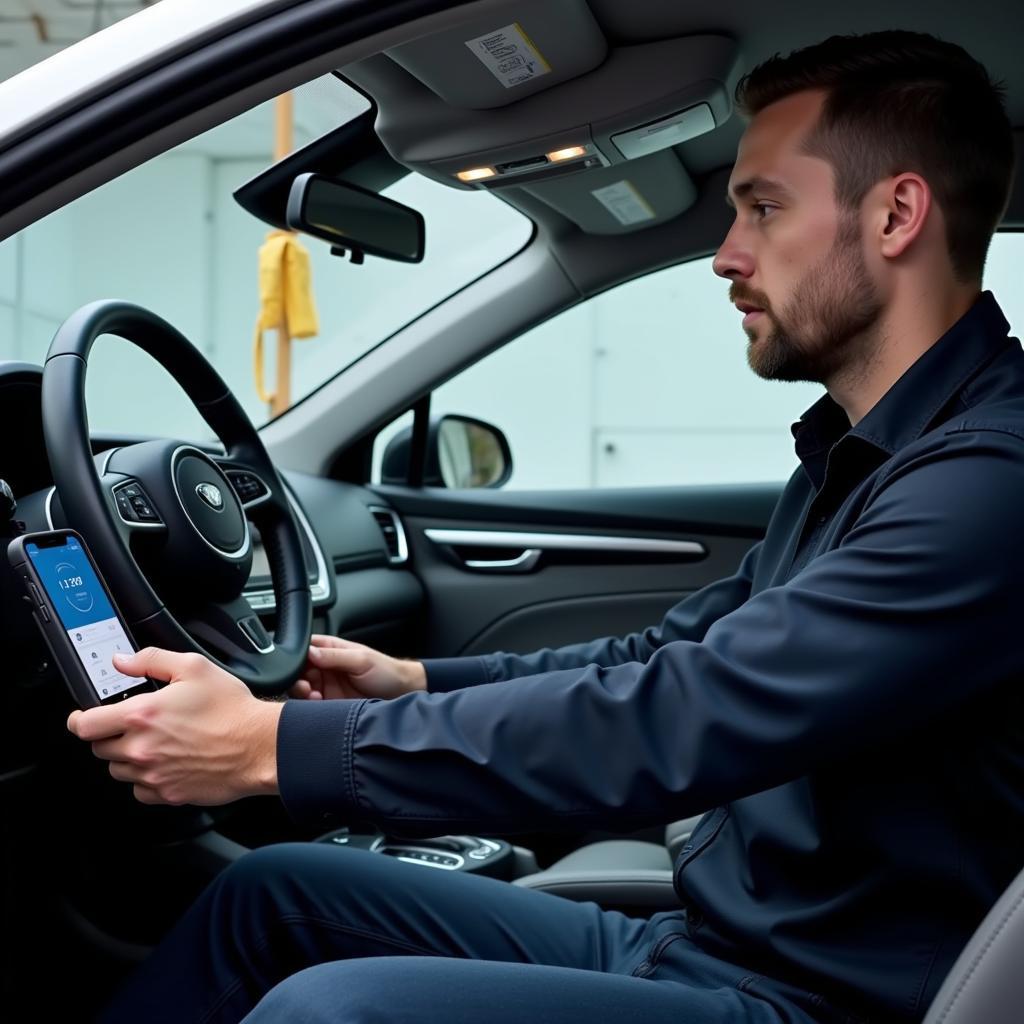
143 510
256 634
248 486
134 506
124 507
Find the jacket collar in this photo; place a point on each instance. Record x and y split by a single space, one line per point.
911 405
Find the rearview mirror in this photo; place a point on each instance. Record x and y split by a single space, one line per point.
355 219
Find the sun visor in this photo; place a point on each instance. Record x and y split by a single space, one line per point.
524 47
623 198
641 101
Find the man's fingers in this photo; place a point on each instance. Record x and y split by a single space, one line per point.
99 723
157 663
145 795
321 640
300 689
340 659
114 749
303 689
124 772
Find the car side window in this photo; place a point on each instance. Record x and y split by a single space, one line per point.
644 385
647 384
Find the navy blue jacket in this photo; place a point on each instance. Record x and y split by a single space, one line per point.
850 701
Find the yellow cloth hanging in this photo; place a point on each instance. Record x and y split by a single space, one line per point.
286 296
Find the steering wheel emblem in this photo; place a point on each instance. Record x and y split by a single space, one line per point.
210 493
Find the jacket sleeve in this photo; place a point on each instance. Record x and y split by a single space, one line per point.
912 615
688 620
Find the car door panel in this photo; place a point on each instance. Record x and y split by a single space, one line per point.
572 591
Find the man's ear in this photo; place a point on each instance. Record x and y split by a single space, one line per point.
907 203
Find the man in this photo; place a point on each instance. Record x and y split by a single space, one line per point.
849 701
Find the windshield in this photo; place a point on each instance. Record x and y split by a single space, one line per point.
169 236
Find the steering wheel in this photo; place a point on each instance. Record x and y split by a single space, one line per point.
180 512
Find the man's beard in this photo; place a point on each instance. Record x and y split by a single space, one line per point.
824 326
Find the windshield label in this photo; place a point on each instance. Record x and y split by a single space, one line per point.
624 202
510 56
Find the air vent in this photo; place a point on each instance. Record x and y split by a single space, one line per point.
394 535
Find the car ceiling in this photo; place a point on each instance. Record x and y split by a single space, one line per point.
439 109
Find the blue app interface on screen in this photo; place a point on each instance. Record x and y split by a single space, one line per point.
85 611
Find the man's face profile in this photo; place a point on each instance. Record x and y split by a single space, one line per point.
794 256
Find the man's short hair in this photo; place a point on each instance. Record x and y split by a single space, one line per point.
904 101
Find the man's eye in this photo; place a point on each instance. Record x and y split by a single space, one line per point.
762 210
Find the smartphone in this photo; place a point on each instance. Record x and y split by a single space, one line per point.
76 615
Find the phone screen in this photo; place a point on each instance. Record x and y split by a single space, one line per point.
85 612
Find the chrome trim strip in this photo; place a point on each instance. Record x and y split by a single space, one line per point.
46 507
243 550
264 601
106 461
259 650
321 582
564 542
403 542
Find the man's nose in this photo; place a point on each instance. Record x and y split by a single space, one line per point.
733 259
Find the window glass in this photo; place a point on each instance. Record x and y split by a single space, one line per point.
169 236
1003 277
648 385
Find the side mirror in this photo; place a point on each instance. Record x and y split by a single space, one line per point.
355 219
461 453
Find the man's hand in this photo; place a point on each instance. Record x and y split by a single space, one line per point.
204 739
340 668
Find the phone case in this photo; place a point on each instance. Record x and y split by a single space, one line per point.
48 620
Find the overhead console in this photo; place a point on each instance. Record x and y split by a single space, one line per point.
535 95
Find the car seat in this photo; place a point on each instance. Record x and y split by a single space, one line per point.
984 986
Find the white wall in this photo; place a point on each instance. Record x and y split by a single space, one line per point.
644 385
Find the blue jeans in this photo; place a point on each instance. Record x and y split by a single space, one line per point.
310 933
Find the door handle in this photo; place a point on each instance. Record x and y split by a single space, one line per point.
523 562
